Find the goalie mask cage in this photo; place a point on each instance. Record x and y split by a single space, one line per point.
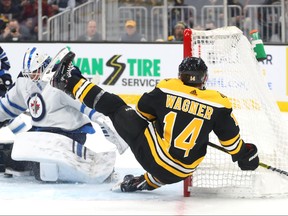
234 71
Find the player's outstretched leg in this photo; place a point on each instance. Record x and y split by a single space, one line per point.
66 79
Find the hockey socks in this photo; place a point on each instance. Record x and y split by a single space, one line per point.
85 91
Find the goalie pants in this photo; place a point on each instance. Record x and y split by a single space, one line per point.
136 131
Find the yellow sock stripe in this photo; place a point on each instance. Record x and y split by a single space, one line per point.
81 89
77 86
85 92
149 182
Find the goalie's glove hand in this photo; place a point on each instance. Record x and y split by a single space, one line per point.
250 159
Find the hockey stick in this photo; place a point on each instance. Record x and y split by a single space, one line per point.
260 163
47 73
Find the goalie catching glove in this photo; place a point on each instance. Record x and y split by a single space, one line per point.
250 159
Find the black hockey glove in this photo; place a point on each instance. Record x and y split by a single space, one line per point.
5 83
250 159
6 80
131 184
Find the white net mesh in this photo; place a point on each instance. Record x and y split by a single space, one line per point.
234 71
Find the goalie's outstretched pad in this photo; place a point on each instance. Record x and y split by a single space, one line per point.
63 159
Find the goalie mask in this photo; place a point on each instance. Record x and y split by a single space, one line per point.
34 63
193 71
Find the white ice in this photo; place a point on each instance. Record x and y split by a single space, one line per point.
26 196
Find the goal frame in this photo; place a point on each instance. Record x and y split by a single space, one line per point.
187 52
261 179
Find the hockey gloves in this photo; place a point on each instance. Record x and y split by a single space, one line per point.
5 83
250 159
133 183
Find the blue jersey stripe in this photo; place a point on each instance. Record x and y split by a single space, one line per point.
91 113
15 105
82 108
19 128
7 111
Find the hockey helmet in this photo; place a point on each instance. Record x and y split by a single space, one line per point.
34 63
193 70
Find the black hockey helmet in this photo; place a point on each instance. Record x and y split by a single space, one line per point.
192 70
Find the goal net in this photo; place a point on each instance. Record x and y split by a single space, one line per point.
234 71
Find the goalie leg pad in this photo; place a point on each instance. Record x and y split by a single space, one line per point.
50 148
48 171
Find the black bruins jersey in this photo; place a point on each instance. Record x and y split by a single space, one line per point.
183 116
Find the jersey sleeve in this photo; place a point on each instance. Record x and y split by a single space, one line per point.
15 102
227 130
81 107
146 105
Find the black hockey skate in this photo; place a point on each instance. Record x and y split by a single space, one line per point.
63 72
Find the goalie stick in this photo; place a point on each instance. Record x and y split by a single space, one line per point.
47 73
260 163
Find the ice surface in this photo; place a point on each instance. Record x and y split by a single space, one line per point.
26 196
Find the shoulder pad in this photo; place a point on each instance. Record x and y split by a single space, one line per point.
167 81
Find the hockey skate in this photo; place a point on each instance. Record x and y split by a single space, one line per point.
63 72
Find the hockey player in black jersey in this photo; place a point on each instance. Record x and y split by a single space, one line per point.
169 130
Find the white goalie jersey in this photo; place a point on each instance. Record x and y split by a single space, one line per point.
47 106
60 157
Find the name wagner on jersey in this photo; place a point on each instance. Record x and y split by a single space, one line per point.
189 106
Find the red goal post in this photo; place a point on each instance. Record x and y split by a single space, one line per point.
234 71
